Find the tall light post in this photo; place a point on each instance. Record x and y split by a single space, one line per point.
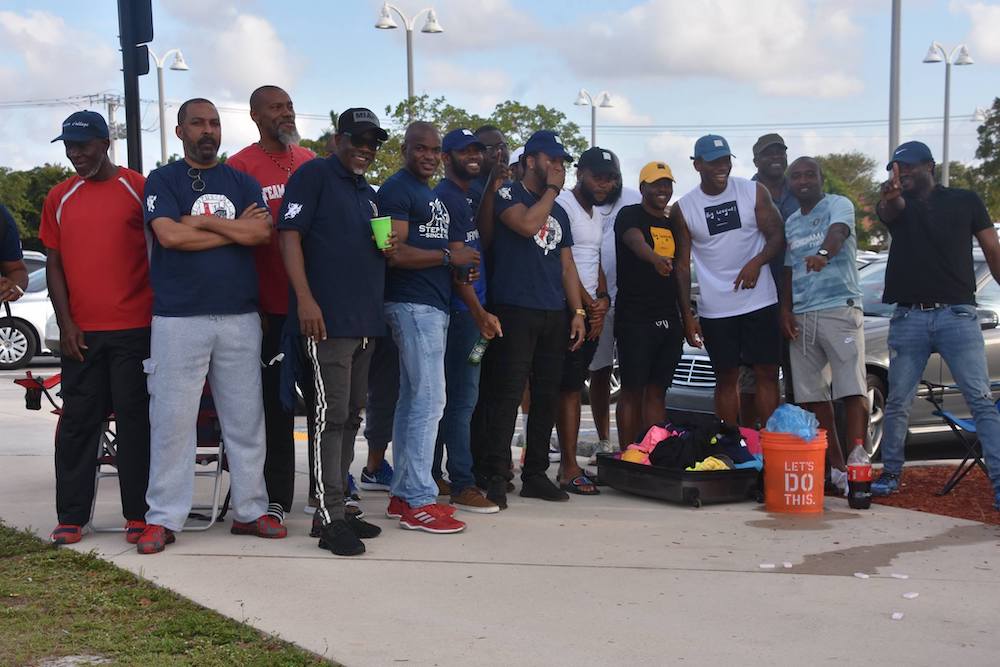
178 65
603 101
431 26
959 56
894 77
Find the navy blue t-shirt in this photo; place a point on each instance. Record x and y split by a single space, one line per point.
527 272
404 197
219 281
331 208
462 227
476 190
10 250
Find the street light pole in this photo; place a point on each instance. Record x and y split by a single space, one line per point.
894 78
584 99
431 26
178 65
958 56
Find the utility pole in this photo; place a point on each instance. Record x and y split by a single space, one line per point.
894 78
112 127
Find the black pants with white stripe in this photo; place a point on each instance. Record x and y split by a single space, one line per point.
340 380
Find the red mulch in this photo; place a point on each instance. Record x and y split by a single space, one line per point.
971 499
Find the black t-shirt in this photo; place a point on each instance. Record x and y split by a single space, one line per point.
930 258
643 294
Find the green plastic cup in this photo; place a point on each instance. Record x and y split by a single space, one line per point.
380 229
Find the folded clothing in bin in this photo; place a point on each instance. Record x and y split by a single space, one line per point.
684 447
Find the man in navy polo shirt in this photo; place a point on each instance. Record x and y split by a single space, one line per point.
205 218
338 276
534 279
417 294
463 158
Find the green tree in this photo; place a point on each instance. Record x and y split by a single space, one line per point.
514 119
985 179
23 193
855 175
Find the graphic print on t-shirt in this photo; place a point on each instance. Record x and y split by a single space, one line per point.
549 236
437 226
213 204
722 218
663 241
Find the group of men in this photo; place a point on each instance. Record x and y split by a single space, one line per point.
264 270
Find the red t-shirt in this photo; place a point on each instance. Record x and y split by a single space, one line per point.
97 228
272 172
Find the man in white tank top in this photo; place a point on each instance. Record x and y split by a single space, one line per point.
735 230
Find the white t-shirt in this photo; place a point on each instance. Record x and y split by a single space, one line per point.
724 237
608 213
587 236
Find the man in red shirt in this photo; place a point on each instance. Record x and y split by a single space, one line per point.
271 160
98 280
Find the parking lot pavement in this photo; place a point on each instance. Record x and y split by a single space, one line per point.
610 579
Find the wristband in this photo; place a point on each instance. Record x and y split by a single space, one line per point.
603 295
446 260
554 188
581 312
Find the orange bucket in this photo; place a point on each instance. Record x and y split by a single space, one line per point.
793 472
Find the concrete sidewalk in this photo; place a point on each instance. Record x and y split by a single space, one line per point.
610 579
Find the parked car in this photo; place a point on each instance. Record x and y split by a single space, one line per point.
694 380
24 336
34 260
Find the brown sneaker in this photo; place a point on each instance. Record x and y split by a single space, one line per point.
471 499
444 488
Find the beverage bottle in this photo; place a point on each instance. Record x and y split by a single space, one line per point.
859 478
478 350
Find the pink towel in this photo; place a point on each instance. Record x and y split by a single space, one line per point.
753 440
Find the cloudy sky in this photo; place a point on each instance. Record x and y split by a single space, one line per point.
675 69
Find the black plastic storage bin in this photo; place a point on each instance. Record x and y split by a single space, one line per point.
679 486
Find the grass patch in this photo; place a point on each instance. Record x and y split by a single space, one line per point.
56 602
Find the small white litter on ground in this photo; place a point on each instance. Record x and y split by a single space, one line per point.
787 565
897 616
911 596
861 575
767 566
897 575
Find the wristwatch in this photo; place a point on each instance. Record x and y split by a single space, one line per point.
824 253
446 261
553 187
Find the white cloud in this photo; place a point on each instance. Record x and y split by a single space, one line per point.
771 44
985 21
448 75
468 26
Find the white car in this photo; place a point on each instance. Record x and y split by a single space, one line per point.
24 336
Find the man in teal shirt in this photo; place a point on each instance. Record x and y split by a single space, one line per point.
821 312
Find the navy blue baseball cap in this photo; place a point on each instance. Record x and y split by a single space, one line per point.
461 138
83 126
711 147
548 142
912 152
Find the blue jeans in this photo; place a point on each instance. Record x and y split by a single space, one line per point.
462 389
419 332
954 333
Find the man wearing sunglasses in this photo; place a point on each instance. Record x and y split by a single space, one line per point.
338 276
205 217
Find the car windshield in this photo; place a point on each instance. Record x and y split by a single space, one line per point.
36 281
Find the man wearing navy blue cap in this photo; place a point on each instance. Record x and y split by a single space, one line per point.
462 153
534 281
931 279
735 230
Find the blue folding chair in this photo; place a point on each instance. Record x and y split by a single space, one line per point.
964 429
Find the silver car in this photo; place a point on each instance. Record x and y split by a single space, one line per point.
694 381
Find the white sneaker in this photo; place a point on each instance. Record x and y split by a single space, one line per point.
603 447
587 448
839 479
554 454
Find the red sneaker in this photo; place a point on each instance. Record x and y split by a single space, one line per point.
397 506
265 526
133 529
432 518
154 539
66 533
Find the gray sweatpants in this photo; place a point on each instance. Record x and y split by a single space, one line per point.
340 374
184 351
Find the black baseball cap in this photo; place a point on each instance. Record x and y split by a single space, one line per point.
83 126
358 120
599 161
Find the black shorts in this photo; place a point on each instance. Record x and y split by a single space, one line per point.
743 340
648 352
576 364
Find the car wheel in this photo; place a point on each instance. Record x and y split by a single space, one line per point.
876 412
615 386
17 344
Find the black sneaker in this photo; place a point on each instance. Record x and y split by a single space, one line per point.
496 491
338 538
363 529
540 486
317 525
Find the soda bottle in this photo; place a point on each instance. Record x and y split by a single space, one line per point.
859 478
478 350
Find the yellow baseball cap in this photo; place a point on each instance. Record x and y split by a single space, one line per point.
654 171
